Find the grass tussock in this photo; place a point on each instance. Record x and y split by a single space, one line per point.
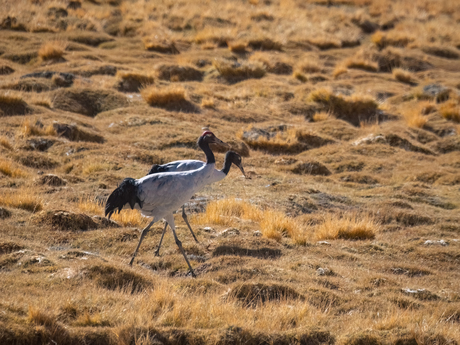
24 199
212 36
162 97
12 104
94 167
226 211
53 50
361 63
237 46
354 109
160 45
273 224
348 227
415 117
132 78
208 103
127 217
235 70
339 70
321 116
289 141
5 142
450 110
8 169
28 128
276 224
395 38
403 76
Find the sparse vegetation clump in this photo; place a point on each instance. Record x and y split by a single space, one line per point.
132 81
156 44
393 38
28 128
403 76
233 70
11 104
53 50
25 200
157 97
353 227
354 109
450 110
7 168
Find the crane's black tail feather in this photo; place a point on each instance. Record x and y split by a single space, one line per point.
126 193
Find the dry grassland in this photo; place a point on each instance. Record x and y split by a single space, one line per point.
346 113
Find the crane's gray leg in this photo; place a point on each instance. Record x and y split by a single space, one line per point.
144 232
157 252
186 221
170 220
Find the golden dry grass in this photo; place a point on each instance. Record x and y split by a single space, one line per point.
236 70
143 79
388 199
31 128
361 63
450 110
348 227
227 211
5 142
321 116
53 50
395 38
275 225
157 97
128 217
403 75
9 169
24 199
208 103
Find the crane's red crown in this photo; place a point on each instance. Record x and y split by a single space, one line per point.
207 132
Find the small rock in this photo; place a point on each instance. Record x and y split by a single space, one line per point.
421 294
208 229
230 232
257 233
4 213
431 242
324 272
441 93
324 243
39 144
198 258
285 161
370 139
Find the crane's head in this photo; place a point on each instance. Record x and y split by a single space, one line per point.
236 159
209 138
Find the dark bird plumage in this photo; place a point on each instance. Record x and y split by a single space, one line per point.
126 193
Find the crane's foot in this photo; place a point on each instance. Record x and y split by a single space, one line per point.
192 274
157 252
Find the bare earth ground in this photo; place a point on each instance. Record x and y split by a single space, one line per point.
346 114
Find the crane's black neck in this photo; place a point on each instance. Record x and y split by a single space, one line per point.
207 151
227 163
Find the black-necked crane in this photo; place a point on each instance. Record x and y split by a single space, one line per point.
187 165
159 195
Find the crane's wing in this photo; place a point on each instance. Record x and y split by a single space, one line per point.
183 165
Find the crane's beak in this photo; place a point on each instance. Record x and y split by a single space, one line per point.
241 168
217 141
